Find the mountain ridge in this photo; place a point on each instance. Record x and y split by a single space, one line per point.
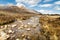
17 9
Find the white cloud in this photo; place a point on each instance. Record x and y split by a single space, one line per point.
47 0
57 7
46 11
30 2
20 5
46 5
57 2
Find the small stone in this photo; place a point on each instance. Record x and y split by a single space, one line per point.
3 35
8 36
10 31
28 29
6 26
28 37
14 25
25 26
2 26
17 39
20 28
23 35
29 23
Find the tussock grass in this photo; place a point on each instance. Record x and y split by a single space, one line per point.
5 19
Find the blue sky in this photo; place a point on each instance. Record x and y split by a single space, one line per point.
43 6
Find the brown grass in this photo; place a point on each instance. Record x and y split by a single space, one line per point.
5 19
50 29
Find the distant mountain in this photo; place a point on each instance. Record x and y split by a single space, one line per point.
16 9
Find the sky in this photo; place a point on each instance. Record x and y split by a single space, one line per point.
42 6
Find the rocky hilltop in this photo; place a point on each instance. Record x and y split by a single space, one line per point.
20 23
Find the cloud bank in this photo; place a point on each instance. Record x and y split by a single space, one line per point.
28 2
44 6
